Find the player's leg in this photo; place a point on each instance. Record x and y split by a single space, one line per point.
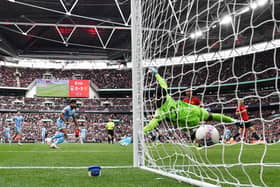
109 138
18 135
61 136
82 139
14 136
238 133
208 116
76 138
220 118
252 130
112 136
44 139
9 139
56 136
126 141
243 133
58 141
62 133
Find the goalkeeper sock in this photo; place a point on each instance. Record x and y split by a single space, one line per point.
256 136
221 118
59 140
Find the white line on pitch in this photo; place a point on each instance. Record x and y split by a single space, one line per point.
60 151
62 167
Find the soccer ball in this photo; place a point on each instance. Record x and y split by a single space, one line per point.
207 134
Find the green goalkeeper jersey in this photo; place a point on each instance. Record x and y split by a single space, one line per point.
183 114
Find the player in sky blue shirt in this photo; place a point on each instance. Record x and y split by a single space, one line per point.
227 134
18 120
62 122
43 134
7 134
83 135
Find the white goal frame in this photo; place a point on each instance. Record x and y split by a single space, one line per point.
138 107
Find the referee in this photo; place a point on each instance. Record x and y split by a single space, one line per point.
110 129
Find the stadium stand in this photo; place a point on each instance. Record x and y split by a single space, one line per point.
192 74
94 122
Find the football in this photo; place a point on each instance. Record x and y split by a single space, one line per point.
207 134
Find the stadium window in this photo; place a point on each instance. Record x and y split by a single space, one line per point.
77 77
48 104
17 74
79 104
47 76
106 103
18 102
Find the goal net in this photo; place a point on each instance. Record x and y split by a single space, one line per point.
223 51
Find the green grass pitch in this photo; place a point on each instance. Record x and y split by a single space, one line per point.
81 156
57 90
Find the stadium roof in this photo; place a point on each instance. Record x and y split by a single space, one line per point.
75 29
100 29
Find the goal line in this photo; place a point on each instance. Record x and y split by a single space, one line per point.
62 167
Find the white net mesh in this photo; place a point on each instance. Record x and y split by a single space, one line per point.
224 51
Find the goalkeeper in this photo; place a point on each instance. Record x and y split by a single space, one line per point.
184 114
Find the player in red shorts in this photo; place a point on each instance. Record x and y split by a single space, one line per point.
77 134
244 121
192 99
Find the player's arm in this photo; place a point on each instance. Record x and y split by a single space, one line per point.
239 112
244 110
160 80
153 123
62 117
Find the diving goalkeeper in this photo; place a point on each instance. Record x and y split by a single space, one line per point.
184 114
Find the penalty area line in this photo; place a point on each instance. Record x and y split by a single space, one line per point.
63 167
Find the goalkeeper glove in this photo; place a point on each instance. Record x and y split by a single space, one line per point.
154 70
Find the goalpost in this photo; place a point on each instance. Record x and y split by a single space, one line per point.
210 46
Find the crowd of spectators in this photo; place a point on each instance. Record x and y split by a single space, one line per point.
234 70
93 123
106 78
214 101
265 124
39 103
